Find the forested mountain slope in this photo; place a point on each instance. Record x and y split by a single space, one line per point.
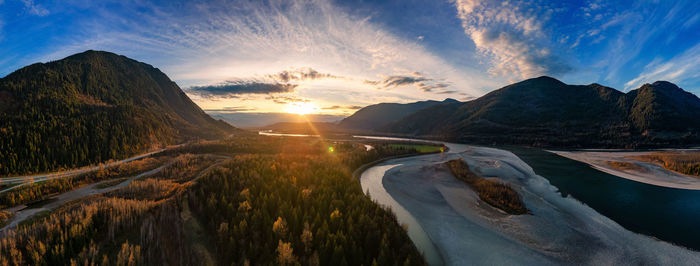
91 107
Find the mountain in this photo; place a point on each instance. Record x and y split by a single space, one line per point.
546 112
375 116
259 120
91 107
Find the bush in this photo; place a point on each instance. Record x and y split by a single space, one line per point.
494 193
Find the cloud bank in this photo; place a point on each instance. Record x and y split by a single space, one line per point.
233 88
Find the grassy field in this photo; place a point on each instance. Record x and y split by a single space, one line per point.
422 148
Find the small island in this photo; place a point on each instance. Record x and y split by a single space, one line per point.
495 193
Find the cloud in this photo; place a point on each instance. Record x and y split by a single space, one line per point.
34 9
300 74
512 37
429 87
233 88
207 42
681 68
416 79
286 99
231 109
342 107
394 81
280 82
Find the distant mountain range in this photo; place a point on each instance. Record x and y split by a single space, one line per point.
91 107
546 112
255 120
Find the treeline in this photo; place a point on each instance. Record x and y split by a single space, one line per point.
296 206
495 193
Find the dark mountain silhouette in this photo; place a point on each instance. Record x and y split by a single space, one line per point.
374 116
546 112
91 107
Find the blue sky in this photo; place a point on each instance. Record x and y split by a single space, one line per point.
333 56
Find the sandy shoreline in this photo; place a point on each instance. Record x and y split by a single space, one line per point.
467 231
648 173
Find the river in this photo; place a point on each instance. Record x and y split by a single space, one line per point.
666 213
562 229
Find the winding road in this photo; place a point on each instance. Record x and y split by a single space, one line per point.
22 212
28 179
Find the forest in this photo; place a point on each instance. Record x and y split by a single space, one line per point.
249 201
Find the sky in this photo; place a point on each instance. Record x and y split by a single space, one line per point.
334 57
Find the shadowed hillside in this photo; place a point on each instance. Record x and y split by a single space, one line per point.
91 107
374 116
546 112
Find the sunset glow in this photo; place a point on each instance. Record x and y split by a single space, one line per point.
301 108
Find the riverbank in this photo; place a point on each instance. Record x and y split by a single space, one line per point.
645 172
358 172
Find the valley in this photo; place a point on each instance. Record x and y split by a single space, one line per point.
105 160
249 181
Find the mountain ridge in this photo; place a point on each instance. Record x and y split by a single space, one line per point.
544 111
91 107
373 116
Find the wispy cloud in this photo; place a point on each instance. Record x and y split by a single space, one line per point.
681 68
285 99
34 8
342 107
231 109
416 79
512 37
300 74
206 43
232 88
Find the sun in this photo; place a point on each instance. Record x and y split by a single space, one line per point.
301 108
